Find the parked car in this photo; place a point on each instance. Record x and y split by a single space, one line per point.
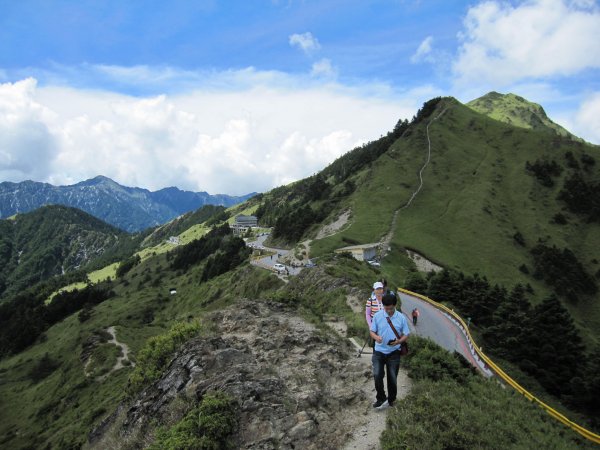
279 268
374 263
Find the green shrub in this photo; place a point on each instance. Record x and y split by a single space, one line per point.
208 426
428 361
103 359
479 414
43 368
157 352
452 407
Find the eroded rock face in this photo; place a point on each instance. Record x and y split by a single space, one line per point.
291 381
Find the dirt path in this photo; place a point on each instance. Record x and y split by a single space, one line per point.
422 263
327 230
123 357
370 423
366 434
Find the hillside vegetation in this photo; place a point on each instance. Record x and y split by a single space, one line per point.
56 240
517 111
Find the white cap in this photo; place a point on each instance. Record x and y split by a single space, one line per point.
377 285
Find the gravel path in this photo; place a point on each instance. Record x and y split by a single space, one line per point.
124 353
370 424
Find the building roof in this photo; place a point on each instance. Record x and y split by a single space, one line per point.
357 247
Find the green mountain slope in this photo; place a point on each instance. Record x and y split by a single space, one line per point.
50 241
491 194
500 206
480 210
515 110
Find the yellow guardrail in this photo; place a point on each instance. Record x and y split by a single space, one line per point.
500 373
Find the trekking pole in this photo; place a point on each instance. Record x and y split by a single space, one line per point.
363 347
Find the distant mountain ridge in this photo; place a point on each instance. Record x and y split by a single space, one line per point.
128 208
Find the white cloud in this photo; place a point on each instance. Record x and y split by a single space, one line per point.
423 53
306 42
248 139
323 68
588 118
26 145
502 44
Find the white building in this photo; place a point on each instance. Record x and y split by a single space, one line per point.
362 252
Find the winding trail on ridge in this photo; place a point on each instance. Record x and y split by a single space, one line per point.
384 244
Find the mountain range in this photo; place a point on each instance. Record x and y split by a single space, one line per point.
128 208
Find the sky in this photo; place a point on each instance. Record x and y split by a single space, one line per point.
239 96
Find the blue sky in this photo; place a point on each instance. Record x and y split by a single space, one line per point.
239 96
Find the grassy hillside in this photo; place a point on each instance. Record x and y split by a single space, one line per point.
478 195
517 111
58 403
480 210
513 205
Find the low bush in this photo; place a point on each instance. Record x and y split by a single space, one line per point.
157 352
208 426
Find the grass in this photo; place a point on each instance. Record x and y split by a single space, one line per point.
103 359
450 406
516 111
207 426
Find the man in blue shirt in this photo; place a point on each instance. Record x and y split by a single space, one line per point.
387 349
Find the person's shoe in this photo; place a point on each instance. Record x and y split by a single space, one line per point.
391 403
380 404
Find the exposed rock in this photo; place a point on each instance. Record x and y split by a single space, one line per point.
291 381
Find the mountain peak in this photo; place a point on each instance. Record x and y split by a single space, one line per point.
517 111
98 180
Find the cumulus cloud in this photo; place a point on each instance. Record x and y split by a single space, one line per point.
423 53
250 139
306 42
502 43
26 144
588 118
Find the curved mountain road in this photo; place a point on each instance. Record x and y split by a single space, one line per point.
441 329
267 262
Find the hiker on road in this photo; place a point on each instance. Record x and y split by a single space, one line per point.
386 325
415 315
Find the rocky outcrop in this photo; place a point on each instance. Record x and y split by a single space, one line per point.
296 385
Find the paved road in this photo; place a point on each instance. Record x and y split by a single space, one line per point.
441 329
269 261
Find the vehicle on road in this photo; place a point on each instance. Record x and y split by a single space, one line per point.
374 263
279 268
